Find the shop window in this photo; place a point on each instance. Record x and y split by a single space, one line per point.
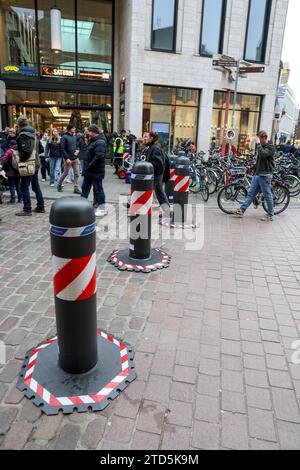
22 96
164 23
257 30
94 37
212 28
18 33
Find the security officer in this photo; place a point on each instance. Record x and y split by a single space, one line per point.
118 149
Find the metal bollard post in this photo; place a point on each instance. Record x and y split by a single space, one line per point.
74 269
140 257
81 368
170 183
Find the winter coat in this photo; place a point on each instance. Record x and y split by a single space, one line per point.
25 141
266 159
7 164
53 150
69 146
94 165
155 155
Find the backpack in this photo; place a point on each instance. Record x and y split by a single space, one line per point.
167 170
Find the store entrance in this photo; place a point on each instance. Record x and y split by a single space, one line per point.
47 118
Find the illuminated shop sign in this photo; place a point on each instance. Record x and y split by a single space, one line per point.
94 75
19 70
53 72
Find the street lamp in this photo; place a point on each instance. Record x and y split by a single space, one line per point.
55 16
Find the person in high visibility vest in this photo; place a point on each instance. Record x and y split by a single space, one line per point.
118 149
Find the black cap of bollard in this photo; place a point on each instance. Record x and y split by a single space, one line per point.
72 212
143 168
184 161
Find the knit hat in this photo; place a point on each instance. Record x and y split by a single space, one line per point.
22 121
94 128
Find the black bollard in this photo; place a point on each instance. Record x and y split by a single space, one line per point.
81 369
170 183
74 270
140 257
181 196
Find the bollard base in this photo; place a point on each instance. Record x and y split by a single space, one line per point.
186 226
158 260
54 390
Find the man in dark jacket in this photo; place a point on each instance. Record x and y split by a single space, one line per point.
27 140
262 180
70 152
94 168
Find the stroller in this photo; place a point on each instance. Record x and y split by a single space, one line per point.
126 165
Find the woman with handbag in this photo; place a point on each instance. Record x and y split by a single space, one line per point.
53 153
11 174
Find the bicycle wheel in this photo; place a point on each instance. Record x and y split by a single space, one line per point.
212 181
194 185
281 197
204 191
231 198
294 185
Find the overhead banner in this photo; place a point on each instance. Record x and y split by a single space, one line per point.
282 89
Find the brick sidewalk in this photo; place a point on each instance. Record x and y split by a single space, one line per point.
213 337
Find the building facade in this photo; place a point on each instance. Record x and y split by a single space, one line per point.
142 65
164 51
289 117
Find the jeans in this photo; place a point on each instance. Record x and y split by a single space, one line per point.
75 165
55 169
14 185
260 184
25 193
98 187
159 192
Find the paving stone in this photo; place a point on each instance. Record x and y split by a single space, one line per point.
185 374
129 401
289 435
68 437
16 440
276 362
209 367
151 417
47 429
145 441
285 405
180 413
7 416
234 402
94 433
3 391
29 412
207 409
158 389
8 324
10 371
254 362
175 438
143 362
187 358
256 444
208 385
256 378
258 398
234 432
261 425
205 435
182 392
280 379
232 381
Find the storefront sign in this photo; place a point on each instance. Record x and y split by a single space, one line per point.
19 70
53 72
86 74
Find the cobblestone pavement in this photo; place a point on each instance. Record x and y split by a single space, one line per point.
213 338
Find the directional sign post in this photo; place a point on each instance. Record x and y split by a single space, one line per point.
246 70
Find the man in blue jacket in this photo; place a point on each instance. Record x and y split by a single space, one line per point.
94 168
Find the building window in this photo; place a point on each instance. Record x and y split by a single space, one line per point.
172 112
247 119
212 28
257 30
164 22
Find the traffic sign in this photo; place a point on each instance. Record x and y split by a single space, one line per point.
224 63
231 134
247 70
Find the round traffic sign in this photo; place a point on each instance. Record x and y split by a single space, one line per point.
231 134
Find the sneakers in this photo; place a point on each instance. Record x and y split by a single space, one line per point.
267 218
59 188
43 180
38 210
77 191
238 213
101 213
23 214
52 185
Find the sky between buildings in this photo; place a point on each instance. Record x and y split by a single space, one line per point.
290 51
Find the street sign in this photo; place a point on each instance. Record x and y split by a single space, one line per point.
247 70
231 134
224 63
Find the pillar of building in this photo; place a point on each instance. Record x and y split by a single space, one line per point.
205 119
267 113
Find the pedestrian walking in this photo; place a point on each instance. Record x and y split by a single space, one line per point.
118 149
28 144
43 158
70 154
12 175
263 176
94 168
154 154
53 153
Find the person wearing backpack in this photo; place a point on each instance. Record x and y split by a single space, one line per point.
28 143
155 155
11 174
